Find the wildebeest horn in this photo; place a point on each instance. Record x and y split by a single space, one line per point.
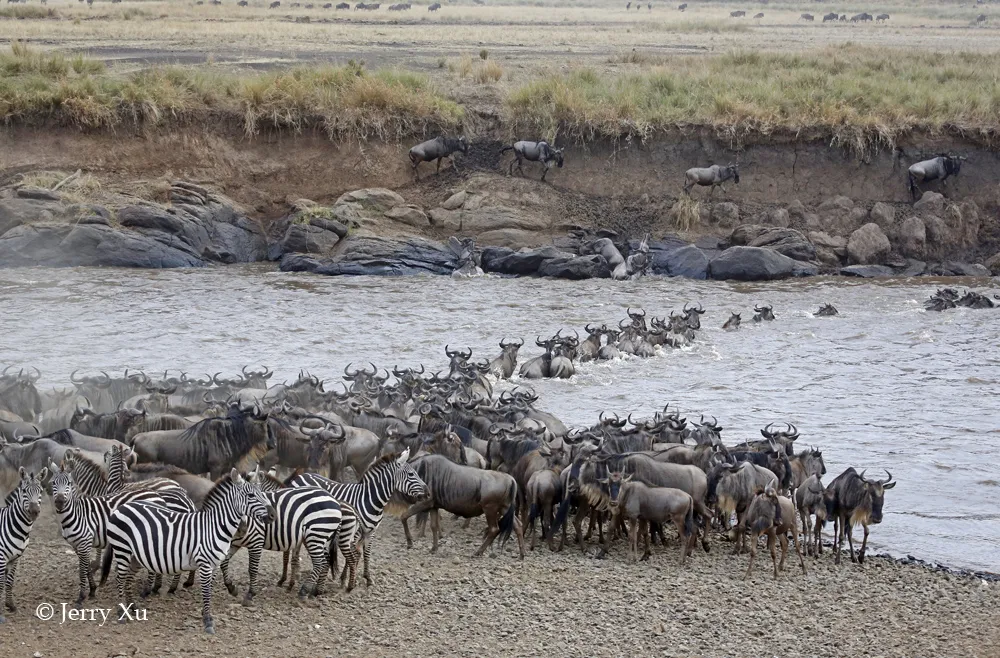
862 475
448 352
72 376
38 375
792 431
884 482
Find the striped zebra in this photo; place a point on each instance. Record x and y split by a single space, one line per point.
386 476
304 515
83 520
23 506
167 542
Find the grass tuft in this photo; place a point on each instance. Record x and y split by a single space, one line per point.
685 214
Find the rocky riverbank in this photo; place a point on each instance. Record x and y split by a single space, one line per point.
502 225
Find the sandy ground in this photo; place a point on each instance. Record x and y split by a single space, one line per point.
560 604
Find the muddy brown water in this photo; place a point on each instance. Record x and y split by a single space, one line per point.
884 385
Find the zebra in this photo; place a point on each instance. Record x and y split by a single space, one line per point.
83 520
23 505
308 515
167 542
369 497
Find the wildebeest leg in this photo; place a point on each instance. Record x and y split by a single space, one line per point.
518 156
864 545
581 512
438 171
422 506
818 537
770 546
804 517
435 530
784 550
519 531
753 554
644 528
606 539
466 523
492 529
836 539
633 540
798 551
849 531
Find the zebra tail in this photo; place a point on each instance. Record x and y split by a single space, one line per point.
507 520
106 564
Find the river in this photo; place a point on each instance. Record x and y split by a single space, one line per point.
883 385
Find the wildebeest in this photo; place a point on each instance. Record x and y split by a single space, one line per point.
737 14
733 323
275 4
758 16
774 516
343 5
643 505
437 149
862 17
19 396
732 488
682 7
807 17
981 18
939 168
832 16
242 3
467 492
533 152
543 492
809 501
826 310
33 456
763 313
503 366
211 446
852 499
434 7
714 176
881 18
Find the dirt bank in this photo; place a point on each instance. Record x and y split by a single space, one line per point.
564 604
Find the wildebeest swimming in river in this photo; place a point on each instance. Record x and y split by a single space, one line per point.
437 149
535 152
939 168
826 310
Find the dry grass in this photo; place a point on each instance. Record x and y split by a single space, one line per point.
344 101
685 214
28 12
77 189
862 97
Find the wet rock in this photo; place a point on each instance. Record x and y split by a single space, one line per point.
372 198
409 215
298 263
67 245
911 238
513 237
830 250
455 201
688 261
786 241
867 245
726 214
378 256
38 193
993 264
884 215
867 271
331 225
307 239
931 203
579 267
751 264
744 234
802 269
956 268
522 262
913 267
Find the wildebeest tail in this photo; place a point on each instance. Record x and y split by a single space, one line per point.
106 563
507 520
689 528
533 513
505 149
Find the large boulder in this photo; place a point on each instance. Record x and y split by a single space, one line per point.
830 250
308 239
838 216
786 241
868 245
688 261
522 262
956 268
410 215
930 203
14 212
750 264
579 267
455 201
884 215
911 238
993 264
510 237
374 198
378 256
726 214
867 271
744 234
298 263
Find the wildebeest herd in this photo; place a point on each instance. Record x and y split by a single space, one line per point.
939 168
174 474
947 298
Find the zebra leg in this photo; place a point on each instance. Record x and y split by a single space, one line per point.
175 582
8 597
227 576
3 584
284 568
316 548
190 580
346 546
86 576
254 553
123 576
366 548
153 585
205 574
295 567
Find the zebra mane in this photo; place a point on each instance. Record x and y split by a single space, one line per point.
78 463
296 473
267 478
217 494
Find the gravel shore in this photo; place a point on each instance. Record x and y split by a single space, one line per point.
559 604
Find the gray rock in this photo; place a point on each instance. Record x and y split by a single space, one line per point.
579 267
498 217
298 263
455 201
408 215
522 262
838 216
744 234
688 261
66 245
822 239
39 193
913 268
884 215
868 245
911 238
867 271
931 203
372 198
804 269
726 214
786 241
308 239
331 225
797 211
993 264
448 220
965 269
514 238
387 256
750 264
14 212
778 217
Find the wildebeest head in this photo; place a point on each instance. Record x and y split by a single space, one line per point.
693 315
613 484
734 171
19 395
446 442
733 323
952 164
875 491
510 349
319 439
557 155
785 437
763 313
826 310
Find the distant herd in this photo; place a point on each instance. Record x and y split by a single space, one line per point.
938 168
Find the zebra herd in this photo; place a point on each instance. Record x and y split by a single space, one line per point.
155 525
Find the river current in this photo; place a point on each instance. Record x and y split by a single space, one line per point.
885 385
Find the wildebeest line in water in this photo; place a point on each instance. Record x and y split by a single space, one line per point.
132 452
939 168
